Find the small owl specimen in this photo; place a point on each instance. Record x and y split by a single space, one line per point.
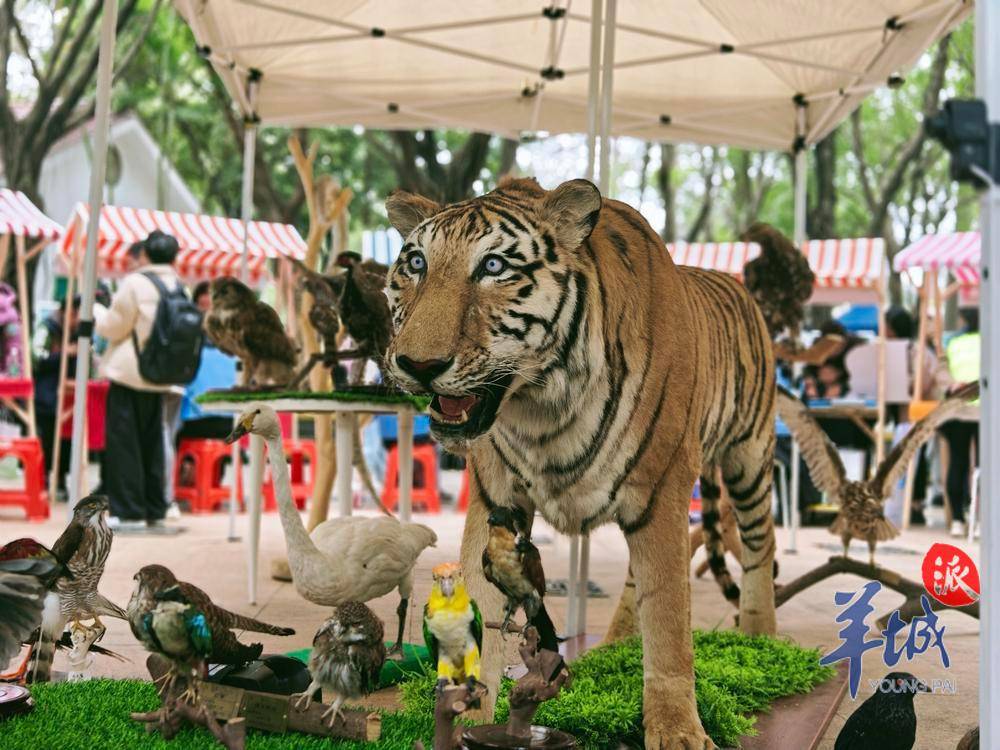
84 546
779 279
180 631
453 628
886 720
242 326
514 565
151 583
347 657
28 570
861 513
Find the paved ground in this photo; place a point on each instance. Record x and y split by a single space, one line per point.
202 555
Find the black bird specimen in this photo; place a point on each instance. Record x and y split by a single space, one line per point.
779 279
28 570
861 513
886 720
347 657
969 741
84 546
514 565
153 580
242 326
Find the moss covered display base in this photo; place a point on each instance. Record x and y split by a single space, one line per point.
737 676
364 394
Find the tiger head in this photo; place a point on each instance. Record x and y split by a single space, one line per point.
478 296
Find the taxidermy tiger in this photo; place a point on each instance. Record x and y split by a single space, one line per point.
588 377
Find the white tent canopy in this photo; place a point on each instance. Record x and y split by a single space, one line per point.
712 71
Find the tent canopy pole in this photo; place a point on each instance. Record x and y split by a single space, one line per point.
988 89
102 113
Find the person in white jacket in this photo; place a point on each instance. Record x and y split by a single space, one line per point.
132 471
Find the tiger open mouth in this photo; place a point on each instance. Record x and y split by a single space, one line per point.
469 415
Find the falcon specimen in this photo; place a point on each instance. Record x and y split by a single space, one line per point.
27 571
514 565
84 546
861 515
178 629
364 308
453 627
779 279
886 720
151 583
242 326
347 656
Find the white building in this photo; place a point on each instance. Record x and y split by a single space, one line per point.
139 175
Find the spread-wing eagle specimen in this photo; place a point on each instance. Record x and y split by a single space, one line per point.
28 570
779 279
861 503
153 580
242 326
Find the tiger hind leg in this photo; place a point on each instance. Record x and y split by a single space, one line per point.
747 471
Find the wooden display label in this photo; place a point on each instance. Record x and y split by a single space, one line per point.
265 711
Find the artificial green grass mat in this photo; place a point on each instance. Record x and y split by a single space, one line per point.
414 663
418 402
736 676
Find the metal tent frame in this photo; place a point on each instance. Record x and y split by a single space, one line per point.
843 99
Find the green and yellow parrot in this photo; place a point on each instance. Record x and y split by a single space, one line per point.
453 627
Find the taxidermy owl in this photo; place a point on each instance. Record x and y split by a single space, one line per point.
242 326
347 657
779 279
861 513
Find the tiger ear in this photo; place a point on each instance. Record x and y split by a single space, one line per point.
572 210
407 210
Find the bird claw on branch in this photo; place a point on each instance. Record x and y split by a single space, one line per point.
169 718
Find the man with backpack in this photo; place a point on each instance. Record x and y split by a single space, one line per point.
154 345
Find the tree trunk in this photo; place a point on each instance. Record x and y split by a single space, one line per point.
664 183
822 216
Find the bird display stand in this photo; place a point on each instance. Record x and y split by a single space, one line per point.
547 674
80 658
228 712
912 590
452 702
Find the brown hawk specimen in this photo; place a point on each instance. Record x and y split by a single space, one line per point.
84 546
242 326
347 657
154 580
861 515
514 565
779 279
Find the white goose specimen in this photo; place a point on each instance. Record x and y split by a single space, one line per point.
344 559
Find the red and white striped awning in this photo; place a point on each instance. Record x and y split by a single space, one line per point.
838 264
18 215
959 253
210 246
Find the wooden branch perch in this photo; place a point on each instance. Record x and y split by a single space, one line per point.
912 590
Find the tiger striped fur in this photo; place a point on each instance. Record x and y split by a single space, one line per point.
590 379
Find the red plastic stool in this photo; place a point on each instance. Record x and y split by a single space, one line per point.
33 498
298 453
463 494
208 492
425 481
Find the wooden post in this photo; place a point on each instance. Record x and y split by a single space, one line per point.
938 313
22 299
918 390
404 443
73 264
880 423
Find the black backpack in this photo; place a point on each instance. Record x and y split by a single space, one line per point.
173 350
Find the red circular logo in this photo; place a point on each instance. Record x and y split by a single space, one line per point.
950 575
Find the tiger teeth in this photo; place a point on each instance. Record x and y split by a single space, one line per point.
449 419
